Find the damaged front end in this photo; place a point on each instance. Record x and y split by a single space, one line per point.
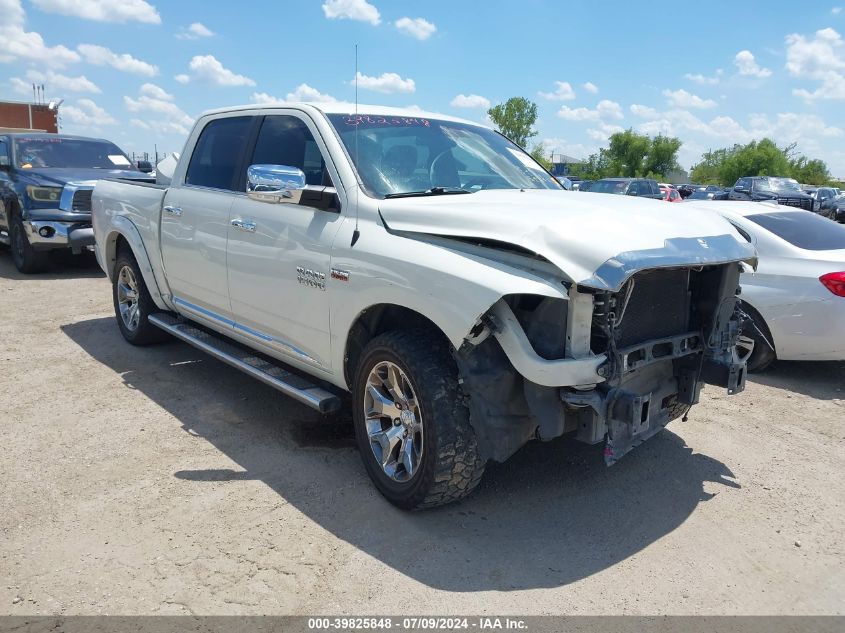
602 364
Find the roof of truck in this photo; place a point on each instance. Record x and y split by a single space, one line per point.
340 107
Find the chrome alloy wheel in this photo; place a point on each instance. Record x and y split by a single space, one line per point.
127 298
393 421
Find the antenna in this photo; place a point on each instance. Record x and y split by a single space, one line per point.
356 233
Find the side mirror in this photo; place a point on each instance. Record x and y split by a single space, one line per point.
275 183
4 163
631 193
740 189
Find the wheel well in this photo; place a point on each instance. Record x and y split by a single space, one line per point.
758 318
376 320
114 248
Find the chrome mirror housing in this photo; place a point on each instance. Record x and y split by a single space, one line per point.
274 183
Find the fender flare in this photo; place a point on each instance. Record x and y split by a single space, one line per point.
123 227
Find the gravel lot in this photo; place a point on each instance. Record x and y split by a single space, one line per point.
139 481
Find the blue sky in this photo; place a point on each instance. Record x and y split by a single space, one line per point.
139 71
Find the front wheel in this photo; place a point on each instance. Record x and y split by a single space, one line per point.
132 303
27 260
411 422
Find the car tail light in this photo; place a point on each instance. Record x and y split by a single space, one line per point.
835 282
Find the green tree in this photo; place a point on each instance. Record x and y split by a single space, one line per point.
595 167
515 118
540 154
758 158
627 153
662 156
706 171
811 172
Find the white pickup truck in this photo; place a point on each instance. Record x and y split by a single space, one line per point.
433 269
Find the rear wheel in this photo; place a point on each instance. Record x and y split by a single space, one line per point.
411 421
132 302
27 260
756 339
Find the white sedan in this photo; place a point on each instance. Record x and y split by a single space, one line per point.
796 298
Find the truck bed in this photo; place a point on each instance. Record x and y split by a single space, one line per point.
137 207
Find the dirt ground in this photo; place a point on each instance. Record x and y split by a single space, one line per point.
157 480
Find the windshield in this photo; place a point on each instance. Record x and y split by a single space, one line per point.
40 152
778 184
610 186
803 229
399 155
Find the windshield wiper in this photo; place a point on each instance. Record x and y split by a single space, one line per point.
434 191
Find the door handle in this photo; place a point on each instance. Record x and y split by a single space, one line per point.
173 210
243 225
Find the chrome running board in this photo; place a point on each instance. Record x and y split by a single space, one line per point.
249 362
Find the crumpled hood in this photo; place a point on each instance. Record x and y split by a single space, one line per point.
595 239
49 177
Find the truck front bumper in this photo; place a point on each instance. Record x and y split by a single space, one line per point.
47 235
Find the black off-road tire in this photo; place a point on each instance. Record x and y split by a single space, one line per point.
145 333
763 355
26 259
451 466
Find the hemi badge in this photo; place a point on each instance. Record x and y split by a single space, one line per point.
340 275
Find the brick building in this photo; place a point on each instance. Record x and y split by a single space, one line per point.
18 116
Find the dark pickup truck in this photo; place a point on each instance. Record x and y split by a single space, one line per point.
784 191
46 182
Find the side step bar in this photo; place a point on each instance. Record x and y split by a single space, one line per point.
288 383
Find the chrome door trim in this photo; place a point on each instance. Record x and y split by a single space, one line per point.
271 342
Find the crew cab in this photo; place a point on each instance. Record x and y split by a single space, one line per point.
45 192
433 270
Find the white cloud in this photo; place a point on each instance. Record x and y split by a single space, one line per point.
563 92
704 80
55 84
386 83
304 92
557 145
416 27
17 44
103 10
102 56
605 109
590 87
785 127
747 65
822 59
163 115
86 113
604 131
470 101
195 31
206 68
156 92
263 98
682 99
836 10
360 10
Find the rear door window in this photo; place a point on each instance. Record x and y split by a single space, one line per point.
218 154
803 229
